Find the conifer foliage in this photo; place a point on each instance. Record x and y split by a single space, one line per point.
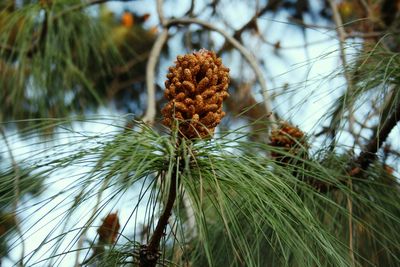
104 164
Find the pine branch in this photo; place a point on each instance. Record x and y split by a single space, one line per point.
381 132
80 6
149 254
36 42
163 221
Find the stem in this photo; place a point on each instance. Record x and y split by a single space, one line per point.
163 221
342 39
150 114
149 254
150 76
380 134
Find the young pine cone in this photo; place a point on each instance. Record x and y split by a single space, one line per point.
108 231
195 89
290 139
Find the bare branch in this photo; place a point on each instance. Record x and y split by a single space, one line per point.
342 39
160 13
342 36
381 132
150 76
150 114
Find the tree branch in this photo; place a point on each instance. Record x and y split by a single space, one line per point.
381 132
149 254
342 39
160 13
150 114
150 76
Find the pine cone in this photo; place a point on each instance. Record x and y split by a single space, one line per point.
196 87
290 138
8 221
108 231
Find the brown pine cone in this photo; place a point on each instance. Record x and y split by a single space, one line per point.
196 87
290 138
108 231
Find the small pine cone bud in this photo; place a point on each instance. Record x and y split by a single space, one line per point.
7 222
195 89
108 231
290 139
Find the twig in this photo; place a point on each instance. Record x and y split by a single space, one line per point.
381 132
149 254
160 13
150 76
17 179
163 221
245 53
342 36
189 13
342 39
150 114
252 23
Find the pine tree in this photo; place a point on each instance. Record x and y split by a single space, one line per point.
171 178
